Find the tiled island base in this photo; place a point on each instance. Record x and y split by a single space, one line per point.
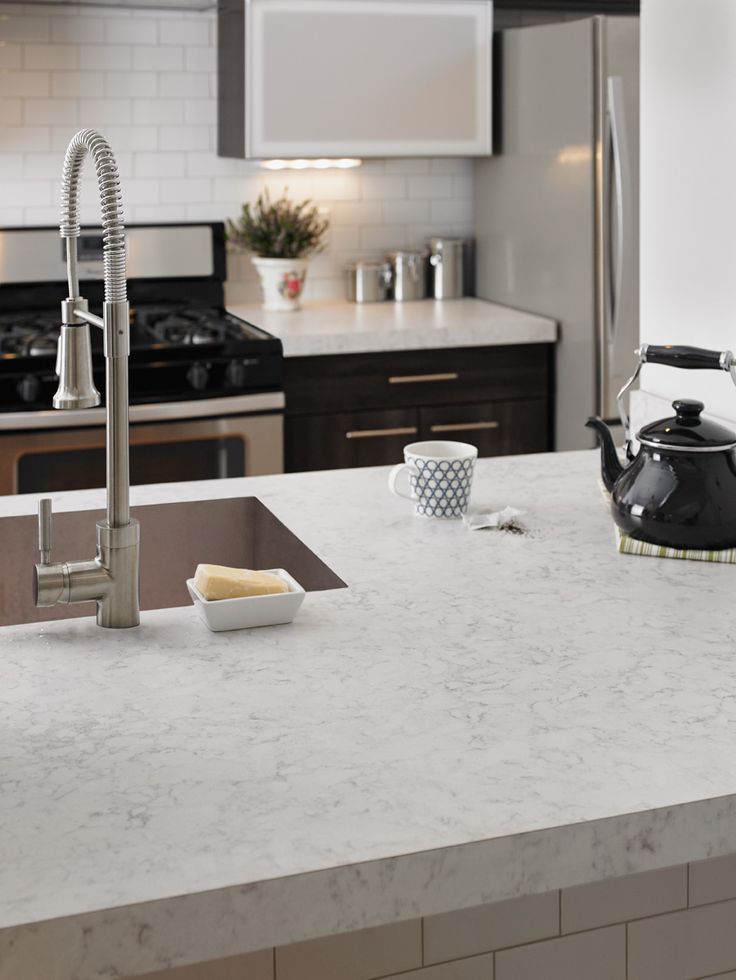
677 923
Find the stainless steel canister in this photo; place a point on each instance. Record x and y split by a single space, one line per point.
408 274
368 282
446 267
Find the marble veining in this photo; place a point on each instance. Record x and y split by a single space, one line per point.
480 715
340 327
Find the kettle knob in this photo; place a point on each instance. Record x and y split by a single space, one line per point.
687 409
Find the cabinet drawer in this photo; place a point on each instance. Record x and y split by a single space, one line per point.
413 378
322 442
496 428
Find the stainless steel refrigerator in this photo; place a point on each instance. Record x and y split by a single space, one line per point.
557 208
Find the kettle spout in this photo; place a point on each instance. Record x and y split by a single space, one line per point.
611 468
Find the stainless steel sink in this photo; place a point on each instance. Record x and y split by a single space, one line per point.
237 531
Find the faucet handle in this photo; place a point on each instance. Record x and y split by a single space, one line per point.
44 529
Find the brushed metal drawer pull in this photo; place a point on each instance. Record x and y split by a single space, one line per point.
460 426
406 379
405 430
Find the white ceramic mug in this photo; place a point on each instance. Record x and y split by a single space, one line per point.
440 477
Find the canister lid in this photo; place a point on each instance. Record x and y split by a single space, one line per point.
687 431
366 264
442 244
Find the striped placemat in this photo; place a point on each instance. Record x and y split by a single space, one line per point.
630 546
626 545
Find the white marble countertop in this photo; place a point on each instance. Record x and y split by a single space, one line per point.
480 715
340 327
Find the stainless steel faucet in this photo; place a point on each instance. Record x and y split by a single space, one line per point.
111 578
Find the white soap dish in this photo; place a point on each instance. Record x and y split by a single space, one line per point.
252 610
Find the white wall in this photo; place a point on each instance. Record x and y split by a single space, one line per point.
688 190
146 80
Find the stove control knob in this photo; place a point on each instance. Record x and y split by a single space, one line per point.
236 374
29 388
198 375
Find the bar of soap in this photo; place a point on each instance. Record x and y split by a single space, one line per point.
221 582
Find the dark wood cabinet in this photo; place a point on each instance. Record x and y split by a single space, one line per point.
362 409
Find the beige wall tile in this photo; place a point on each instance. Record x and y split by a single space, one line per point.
475 968
713 880
358 955
483 928
600 954
250 966
618 899
682 945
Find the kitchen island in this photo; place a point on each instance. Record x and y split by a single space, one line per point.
479 716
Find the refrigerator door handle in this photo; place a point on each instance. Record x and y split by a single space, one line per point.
620 191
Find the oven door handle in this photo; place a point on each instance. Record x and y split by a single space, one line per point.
267 401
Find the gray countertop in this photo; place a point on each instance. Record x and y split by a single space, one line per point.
339 327
479 715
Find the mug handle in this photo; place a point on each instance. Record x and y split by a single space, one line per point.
394 476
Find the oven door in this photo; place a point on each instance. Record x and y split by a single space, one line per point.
35 461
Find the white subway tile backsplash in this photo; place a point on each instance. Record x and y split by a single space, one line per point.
87 29
48 56
108 57
22 27
146 79
126 84
39 112
200 112
20 192
26 138
25 84
122 138
11 112
131 31
157 111
12 165
165 165
101 113
79 84
383 188
201 58
379 238
431 187
184 138
193 190
184 85
194 32
10 55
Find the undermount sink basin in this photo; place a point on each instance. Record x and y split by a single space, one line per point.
237 531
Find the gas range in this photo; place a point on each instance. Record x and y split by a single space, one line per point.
206 398
184 345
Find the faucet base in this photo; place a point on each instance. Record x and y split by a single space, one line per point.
111 579
118 551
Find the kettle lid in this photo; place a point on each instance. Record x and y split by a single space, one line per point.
687 431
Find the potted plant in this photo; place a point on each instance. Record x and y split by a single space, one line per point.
282 234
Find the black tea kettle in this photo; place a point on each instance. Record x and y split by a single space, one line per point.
679 490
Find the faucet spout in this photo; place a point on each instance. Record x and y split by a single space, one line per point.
112 577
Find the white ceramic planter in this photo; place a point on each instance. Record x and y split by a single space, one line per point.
282 282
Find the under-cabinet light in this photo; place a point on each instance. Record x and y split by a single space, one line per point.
323 163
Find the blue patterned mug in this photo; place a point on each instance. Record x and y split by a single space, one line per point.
440 476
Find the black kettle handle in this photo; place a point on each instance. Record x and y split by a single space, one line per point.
690 358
